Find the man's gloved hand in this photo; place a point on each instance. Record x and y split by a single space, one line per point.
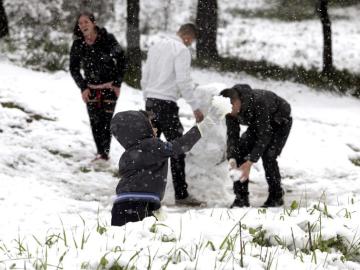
220 106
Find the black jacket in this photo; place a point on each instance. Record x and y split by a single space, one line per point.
143 166
263 112
102 62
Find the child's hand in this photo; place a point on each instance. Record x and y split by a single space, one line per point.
198 116
160 215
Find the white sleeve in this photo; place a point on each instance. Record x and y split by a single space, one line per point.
144 75
144 78
183 79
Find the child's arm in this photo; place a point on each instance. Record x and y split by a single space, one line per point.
220 107
187 141
176 147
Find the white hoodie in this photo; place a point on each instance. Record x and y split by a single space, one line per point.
166 73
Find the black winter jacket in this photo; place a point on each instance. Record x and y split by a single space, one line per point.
263 112
102 62
143 166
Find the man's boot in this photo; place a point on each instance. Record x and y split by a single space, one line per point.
241 191
274 199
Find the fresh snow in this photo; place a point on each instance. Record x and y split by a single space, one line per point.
49 190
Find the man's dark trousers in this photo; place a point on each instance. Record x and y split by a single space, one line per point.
270 164
166 120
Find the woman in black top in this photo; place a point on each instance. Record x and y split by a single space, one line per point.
103 62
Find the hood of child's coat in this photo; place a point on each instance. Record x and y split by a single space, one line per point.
130 127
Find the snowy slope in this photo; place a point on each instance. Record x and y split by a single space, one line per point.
46 180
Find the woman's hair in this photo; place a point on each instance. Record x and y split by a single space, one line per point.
77 32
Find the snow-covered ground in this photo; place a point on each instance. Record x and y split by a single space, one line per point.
293 43
54 205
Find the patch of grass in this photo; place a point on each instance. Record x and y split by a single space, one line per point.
353 147
33 116
350 251
12 105
258 246
290 10
355 161
38 117
116 266
84 169
58 153
116 174
343 3
339 81
327 245
259 238
113 172
168 238
286 13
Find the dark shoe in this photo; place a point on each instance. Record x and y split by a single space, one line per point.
274 200
190 201
240 202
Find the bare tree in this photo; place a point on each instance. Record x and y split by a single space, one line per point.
4 27
133 43
322 10
206 22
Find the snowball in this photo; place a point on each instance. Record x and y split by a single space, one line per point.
236 175
222 103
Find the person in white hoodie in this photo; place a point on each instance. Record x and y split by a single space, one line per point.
166 78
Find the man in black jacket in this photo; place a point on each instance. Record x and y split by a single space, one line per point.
269 121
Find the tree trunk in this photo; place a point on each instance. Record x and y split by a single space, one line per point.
322 10
133 44
206 22
4 27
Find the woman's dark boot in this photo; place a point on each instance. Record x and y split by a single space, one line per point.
241 191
